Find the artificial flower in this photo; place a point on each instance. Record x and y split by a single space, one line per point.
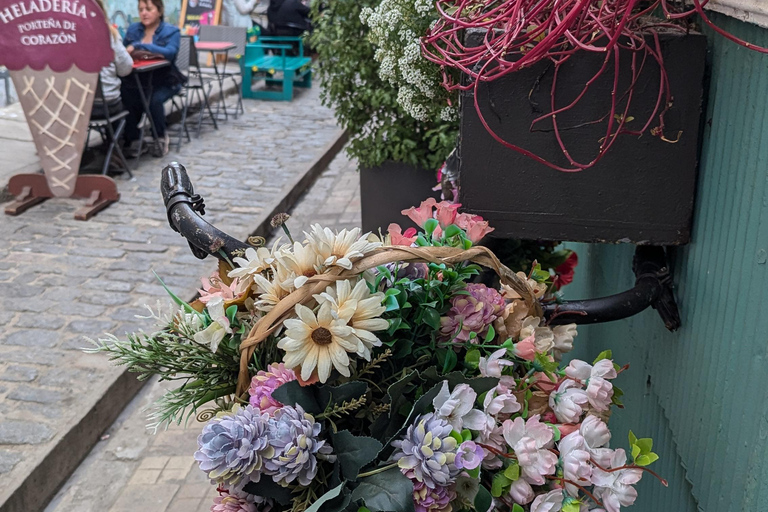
614 488
526 349
575 459
302 262
437 499
568 401
599 390
269 293
360 308
469 455
421 214
564 272
264 383
531 441
521 491
456 407
563 339
510 322
550 502
318 342
543 337
213 286
494 365
446 213
472 313
427 452
254 262
339 249
596 437
474 225
219 327
397 237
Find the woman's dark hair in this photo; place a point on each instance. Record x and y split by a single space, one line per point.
158 4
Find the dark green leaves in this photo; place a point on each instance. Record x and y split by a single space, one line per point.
354 452
384 492
483 500
315 399
268 488
331 501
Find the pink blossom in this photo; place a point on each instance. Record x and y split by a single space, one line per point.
531 441
494 365
521 491
568 401
473 312
264 383
397 237
615 489
446 213
576 462
469 455
213 286
596 436
599 390
234 501
474 225
421 214
550 502
525 349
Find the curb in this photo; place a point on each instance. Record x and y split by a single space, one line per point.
65 456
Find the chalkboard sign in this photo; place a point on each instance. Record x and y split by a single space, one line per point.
198 12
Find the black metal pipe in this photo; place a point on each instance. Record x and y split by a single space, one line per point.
185 208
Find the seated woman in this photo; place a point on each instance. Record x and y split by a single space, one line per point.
122 65
288 18
152 35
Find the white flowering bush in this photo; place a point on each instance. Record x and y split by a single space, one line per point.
396 27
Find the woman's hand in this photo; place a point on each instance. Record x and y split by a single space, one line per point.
130 48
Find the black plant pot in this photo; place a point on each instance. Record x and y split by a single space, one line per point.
388 189
642 191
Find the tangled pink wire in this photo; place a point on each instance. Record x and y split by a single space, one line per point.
522 33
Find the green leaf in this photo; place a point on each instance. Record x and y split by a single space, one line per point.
645 460
231 312
354 452
177 300
457 436
384 492
391 303
268 487
635 451
430 225
453 230
605 354
645 444
517 508
334 395
500 484
512 472
483 500
294 393
450 360
572 506
632 438
491 334
431 317
323 502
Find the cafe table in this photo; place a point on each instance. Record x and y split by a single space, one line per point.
145 68
214 47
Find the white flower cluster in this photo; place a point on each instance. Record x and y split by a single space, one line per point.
396 26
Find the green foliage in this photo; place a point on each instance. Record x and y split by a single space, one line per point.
483 500
641 450
386 491
354 452
365 104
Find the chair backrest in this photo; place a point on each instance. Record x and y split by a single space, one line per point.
185 53
218 33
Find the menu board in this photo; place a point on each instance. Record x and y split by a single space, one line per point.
198 12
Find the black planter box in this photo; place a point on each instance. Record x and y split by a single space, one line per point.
642 191
390 188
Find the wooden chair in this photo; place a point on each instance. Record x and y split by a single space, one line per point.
110 126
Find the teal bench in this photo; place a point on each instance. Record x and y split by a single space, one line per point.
257 63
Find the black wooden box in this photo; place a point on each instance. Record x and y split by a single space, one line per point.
642 191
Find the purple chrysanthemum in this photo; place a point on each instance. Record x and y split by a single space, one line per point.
432 500
264 383
293 435
428 452
233 447
472 313
234 501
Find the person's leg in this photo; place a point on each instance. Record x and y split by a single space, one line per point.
160 95
132 103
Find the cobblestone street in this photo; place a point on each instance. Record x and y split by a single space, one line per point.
133 469
64 279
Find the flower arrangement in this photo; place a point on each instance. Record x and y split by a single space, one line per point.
396 28
354 373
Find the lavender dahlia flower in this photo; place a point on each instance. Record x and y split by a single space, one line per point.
293 435
432 500
233 447
234 501
428 452
472 313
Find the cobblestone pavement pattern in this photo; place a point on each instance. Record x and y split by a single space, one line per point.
63 279
136 470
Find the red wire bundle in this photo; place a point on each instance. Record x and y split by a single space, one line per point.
522 33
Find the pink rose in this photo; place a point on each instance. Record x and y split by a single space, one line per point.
421 214
446 213
397 237
525 349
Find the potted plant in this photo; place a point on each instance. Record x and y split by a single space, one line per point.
398 155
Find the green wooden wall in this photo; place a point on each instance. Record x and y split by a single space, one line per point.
702 392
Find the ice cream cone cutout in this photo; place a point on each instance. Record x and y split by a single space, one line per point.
54 50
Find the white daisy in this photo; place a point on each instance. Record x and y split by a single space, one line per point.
360 308
254 263
302 263
320 342
340 249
